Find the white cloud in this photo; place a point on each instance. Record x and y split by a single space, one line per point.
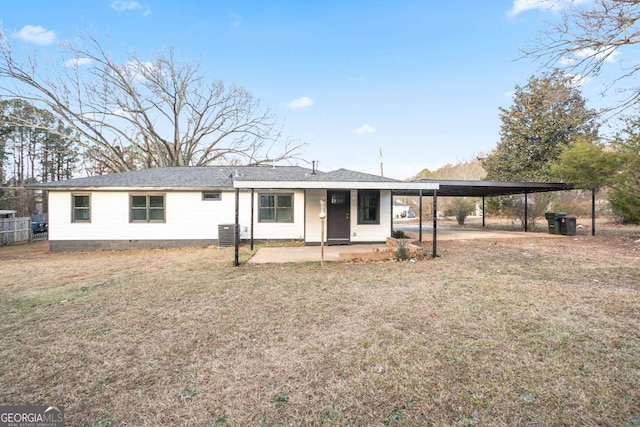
520 6
140 66
123 5
122 113
78 62
365 129
565 60
588 52
579 79
140 70
36 34
126 5
302 102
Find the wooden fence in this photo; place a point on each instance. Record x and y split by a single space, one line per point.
15 230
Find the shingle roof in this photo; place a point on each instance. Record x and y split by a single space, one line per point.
158 177
204 177
223 177
278 173
345 175
208 177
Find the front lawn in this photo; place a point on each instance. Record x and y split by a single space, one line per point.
494 332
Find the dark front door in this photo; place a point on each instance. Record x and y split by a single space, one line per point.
338 207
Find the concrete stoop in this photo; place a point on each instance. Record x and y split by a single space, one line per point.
383 252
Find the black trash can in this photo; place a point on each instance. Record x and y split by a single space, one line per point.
554 220
568 226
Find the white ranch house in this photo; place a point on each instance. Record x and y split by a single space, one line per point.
184 206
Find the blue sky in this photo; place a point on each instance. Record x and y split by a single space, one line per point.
419 81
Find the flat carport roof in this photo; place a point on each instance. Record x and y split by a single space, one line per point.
474 188
469 188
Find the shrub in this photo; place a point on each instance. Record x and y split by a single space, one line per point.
399 234
402 253
461 208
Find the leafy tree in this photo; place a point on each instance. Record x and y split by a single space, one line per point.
590 34
615 167
547 115
624 196
586 164
33 151
58 156
36 143
131 114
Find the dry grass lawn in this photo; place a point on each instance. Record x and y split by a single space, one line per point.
517 332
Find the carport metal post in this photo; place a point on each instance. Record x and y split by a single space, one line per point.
252 191
483 211
593 211
526 212
435 223
420 216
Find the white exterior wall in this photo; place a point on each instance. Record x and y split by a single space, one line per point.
187 216
312 231
371 232
358 232
276 230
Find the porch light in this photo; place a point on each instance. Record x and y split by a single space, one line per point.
323 214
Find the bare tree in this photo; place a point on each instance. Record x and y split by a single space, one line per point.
588 35
135 114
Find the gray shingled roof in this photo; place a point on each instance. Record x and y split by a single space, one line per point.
345 175
222 177
157 177
278 173
208 177
200 177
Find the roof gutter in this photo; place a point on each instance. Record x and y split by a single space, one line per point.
346 185
137 188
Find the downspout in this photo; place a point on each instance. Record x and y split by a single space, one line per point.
236 259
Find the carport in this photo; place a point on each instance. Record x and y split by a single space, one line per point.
419 188
484 189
